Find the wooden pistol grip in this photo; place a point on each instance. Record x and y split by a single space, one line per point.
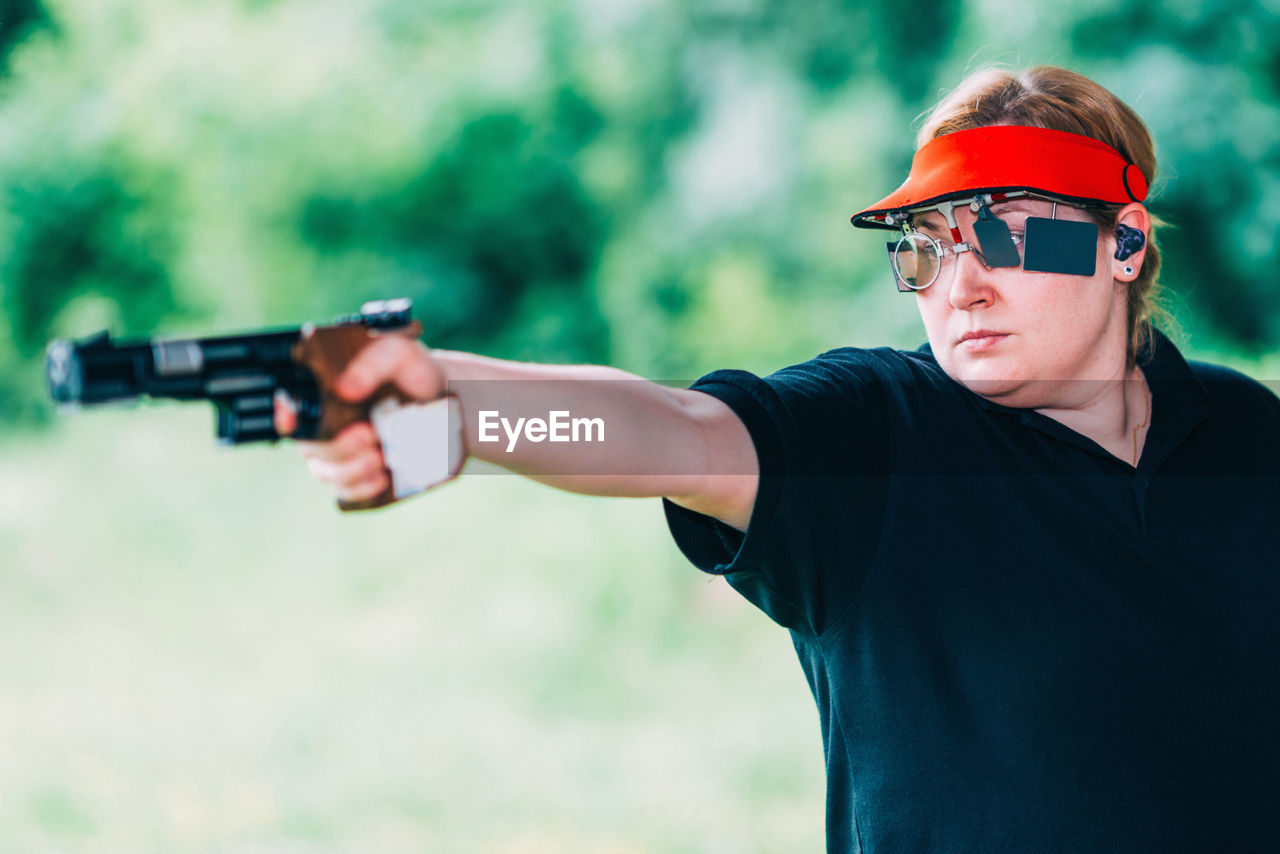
325 351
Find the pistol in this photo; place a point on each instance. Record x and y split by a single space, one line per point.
242 374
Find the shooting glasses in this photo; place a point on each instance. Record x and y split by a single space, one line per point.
987 165
1046 245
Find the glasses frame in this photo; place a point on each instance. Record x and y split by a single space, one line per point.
959 245
941 250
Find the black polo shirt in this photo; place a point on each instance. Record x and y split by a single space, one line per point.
1016 641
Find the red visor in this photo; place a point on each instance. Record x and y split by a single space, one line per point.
997 159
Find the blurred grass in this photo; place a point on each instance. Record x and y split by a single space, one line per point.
198 653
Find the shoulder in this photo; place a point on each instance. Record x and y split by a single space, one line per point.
837 404
1227 395
842 377
1233 390
884 362
855 367
844 365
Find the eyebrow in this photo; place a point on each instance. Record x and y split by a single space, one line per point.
1012 206
921 224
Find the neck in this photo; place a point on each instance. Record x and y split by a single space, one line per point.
1115 413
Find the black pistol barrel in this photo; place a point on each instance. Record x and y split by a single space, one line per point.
99 370
239 374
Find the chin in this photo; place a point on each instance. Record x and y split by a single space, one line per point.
999 380
1009 392
990 387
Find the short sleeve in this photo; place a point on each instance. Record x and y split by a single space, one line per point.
823 446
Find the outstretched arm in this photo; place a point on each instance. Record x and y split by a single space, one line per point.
656 441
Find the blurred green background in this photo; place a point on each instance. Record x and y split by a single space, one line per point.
198 653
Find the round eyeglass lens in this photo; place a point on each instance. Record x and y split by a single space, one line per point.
916 261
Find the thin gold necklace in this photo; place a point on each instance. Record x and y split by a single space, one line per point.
1146 399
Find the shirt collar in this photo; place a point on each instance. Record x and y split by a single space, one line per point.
1179 403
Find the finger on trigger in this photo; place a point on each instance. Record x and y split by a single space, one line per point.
285 412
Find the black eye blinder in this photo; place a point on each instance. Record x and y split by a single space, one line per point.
1060 246
996 243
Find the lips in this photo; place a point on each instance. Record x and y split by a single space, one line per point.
980 339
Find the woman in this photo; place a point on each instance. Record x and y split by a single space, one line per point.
1028 569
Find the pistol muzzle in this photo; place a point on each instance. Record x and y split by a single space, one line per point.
64 371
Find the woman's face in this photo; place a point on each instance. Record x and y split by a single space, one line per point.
1021 338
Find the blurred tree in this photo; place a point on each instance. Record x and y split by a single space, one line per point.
911 41
1210 78
17 19
661 185
81 232
500 214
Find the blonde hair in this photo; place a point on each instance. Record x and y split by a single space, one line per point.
1050 97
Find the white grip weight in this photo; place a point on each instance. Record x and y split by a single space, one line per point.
422 443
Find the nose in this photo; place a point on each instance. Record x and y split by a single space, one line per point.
970 287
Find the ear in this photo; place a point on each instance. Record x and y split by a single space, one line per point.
1137 217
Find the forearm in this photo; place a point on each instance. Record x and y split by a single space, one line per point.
587 429
617 433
